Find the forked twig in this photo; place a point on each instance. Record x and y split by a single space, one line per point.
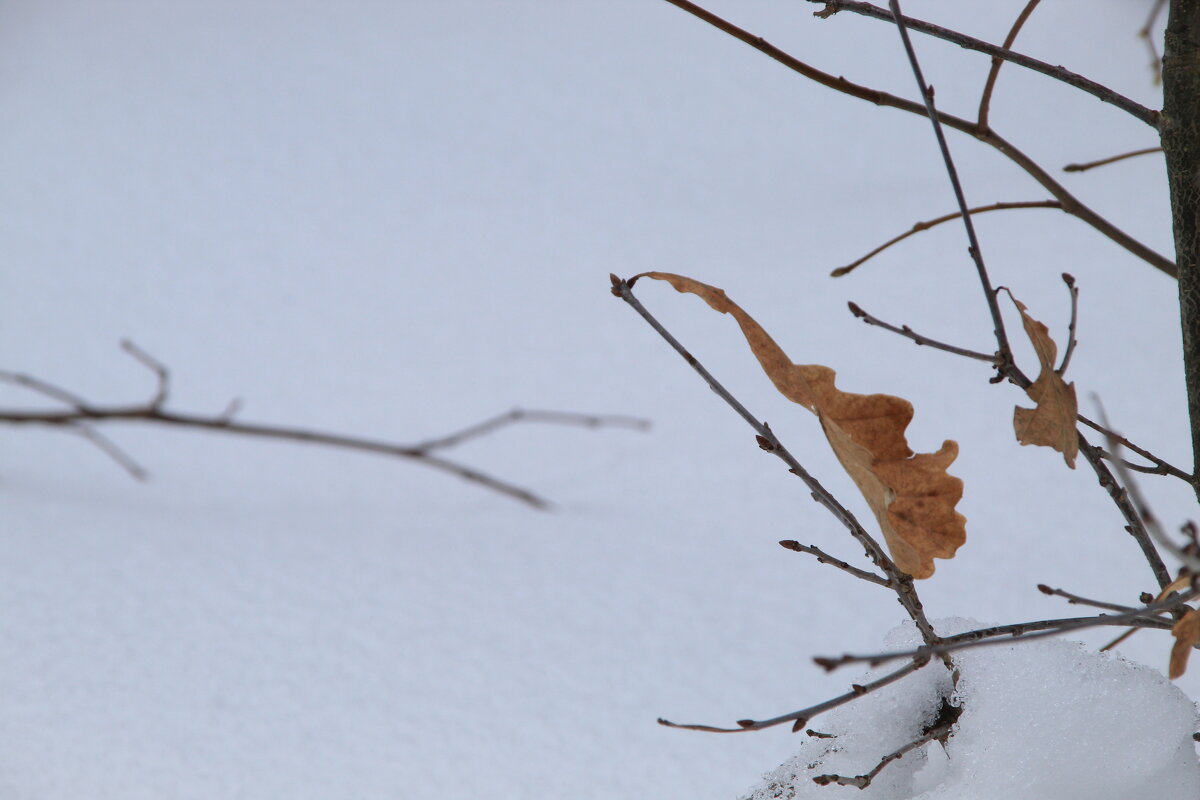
997 61
1069 280
1076 600
81 416
1095 456
1024 631
932 223
863 781
988 136
917 338
1146 33
1003 351
800 719
1107 95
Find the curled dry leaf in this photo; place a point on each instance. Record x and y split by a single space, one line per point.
1186 633
911 495
1051 422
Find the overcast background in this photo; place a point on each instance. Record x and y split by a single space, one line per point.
395 219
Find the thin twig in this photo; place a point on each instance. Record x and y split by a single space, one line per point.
1149 519
518 415
1146 33
1022 631
1004 351
1071 204
919 339
111 449
997 61
801 718
1146 115
1069 280
1095 456
44 388
863 781
899 582
1084 167
931 223
1133 521
1076 600
825 558
161 374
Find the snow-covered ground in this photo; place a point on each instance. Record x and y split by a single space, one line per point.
395 219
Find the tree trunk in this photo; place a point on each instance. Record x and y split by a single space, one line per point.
1180 130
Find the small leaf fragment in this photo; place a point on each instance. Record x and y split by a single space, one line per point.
911 495
1051 423
1186 633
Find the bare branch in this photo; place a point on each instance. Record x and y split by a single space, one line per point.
919 339
110 449
518 415
1094 455
81 417
997 61
988 136
1110 160
899 582
1004 351
863 781
825 558
1069 280
154 365
1023 631
1146 33
1098 91
931 223
1148 518
800 719
44 388
1076 600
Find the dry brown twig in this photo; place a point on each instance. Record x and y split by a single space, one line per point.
1071 204
1085 166
81 416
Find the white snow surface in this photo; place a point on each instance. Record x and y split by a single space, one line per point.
1045 719
395 219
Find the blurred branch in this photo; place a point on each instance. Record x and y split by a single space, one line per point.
1085 166
1076 600
931 223
80 416
1146 115
997 61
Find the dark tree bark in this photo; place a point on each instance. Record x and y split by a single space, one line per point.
1180 129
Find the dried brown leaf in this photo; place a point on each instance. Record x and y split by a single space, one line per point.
1186 633
1051 423
912 496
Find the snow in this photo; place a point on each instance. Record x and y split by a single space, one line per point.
1046 719
397 219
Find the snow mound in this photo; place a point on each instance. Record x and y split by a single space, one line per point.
1042 720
